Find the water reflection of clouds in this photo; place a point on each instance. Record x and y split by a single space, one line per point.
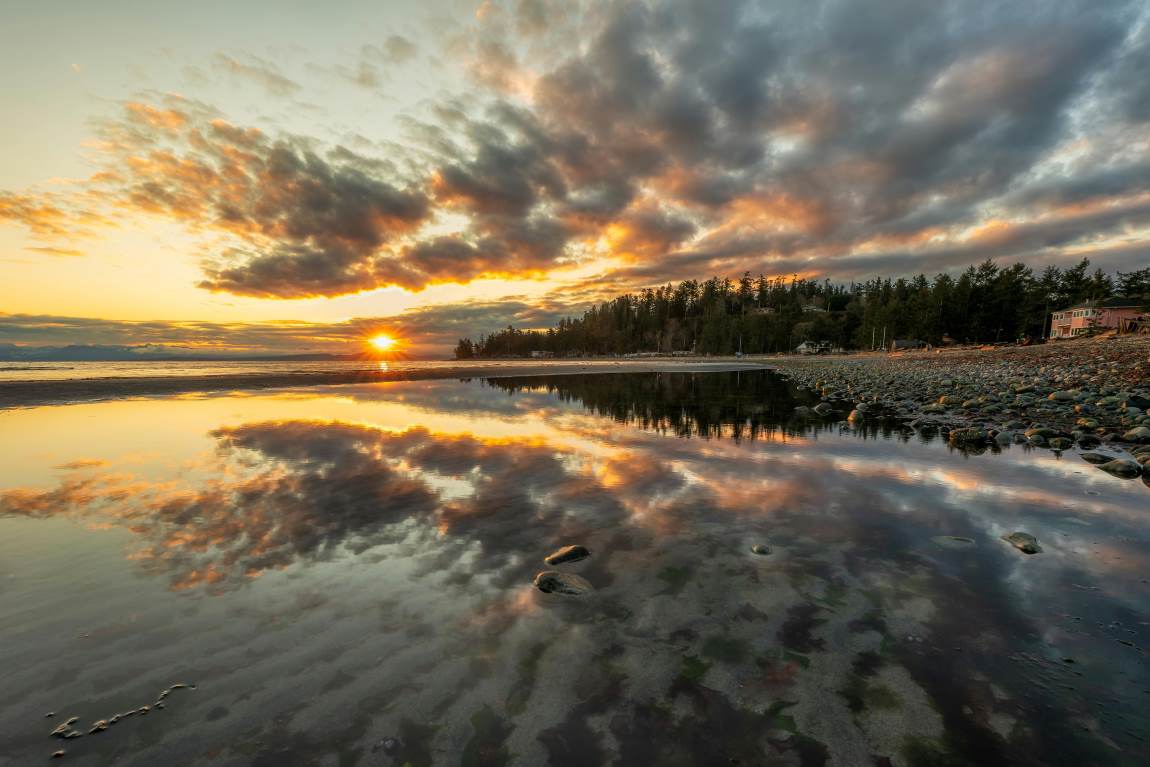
282 492
463 508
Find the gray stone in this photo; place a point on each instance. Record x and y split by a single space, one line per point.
1122 467
567 584
1137 434
1024 542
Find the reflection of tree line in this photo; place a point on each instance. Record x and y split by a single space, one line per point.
741 405
753 404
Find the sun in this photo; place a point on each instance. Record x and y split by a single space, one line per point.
382 342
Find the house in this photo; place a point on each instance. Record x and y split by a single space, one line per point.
813 347
905 344
1090 316
542 355
813 309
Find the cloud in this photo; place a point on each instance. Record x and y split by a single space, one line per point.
397 49
49 251
681 139
423 330
258 71
371 71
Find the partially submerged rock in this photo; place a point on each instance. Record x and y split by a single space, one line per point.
1122 467
568 584
761 549
1097 458
567 554
1024 542
953 541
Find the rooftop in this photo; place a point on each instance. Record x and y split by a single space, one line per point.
1118 302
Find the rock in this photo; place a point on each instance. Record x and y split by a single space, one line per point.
1038 441
1088 441
1061 443
1041 431
1122 467
99 726
1137 401
1024 542
972 435
1061 396
1137 434
855 415
59 754
567 554
823 408
802 411
953 541
761 549
388 745
568 584
1097 458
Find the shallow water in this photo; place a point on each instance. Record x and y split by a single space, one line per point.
334 567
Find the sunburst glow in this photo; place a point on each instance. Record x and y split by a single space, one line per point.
382 342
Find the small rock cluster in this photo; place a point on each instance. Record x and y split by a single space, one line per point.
1082 394
66 731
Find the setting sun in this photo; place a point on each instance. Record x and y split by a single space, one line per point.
382 342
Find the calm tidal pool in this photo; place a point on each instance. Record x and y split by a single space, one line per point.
345 575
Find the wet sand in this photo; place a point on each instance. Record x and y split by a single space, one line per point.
17 394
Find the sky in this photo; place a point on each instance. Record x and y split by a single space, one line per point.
296 176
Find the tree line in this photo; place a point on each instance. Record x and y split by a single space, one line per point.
985 303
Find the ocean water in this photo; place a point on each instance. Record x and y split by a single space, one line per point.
345 575
62 371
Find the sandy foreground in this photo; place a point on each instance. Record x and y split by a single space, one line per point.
16 394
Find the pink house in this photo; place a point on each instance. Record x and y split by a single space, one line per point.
1091 316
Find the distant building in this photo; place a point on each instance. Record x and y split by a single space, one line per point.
904 344
1090 316
539 355
763 310
814 347
812 309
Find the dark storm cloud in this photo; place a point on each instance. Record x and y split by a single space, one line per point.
837 137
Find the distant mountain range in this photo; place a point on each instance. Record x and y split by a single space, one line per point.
110 353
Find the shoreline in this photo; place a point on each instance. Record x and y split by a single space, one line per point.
54 392
1090 396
